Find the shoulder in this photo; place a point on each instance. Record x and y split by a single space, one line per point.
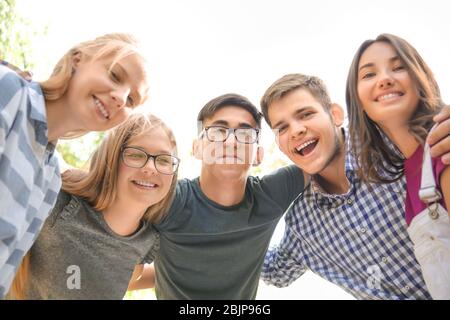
10 84
286 172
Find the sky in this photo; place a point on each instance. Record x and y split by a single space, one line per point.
200 49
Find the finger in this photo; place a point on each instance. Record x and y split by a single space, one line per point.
446 159
27 75
443 114
441 148
441 131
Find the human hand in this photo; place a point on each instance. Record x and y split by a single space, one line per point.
439 138
27 75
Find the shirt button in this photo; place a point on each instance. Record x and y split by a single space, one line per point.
384 259
349 201
407 288
363 230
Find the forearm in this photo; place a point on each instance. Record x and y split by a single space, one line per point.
143 279
282 264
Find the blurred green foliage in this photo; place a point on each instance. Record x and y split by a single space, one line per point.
16 34
77 152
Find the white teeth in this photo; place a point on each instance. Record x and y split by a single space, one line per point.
145 183
388 96
101 108
304 145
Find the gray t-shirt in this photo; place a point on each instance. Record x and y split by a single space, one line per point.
209 251
78 256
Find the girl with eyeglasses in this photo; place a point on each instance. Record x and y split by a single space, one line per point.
100 233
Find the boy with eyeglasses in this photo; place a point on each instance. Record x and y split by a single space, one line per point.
213 242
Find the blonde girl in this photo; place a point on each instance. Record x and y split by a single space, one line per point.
93 88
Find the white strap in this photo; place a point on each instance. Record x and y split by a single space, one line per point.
428 192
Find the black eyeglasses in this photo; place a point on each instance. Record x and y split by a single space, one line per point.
220 134
137 158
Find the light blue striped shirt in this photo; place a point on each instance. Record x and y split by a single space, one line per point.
29 172
356 240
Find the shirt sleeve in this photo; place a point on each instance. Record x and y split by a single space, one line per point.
150 256
284 184
11 98
283 263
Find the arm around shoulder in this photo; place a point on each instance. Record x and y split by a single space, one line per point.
445 186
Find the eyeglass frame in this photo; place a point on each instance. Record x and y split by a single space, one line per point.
229 130
150 156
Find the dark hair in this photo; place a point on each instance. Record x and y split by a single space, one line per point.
291 82
374 157
227 100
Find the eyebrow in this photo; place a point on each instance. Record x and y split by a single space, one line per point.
136 92
371 64
300 110
160 151
225 123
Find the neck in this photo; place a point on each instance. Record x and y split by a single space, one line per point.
402 138
122 219
226 191
333 179
59 122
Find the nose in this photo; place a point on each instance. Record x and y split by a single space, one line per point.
150 166
120 96
231 139
297 129
385 81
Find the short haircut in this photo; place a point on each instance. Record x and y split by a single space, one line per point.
228 100
291 82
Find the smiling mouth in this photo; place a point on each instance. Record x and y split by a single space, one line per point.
307 147
389 96
101 108
144 184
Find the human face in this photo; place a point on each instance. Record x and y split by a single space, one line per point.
304 131
230 154
145 186
100 97
385 88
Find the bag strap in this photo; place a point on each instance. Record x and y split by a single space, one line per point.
428 192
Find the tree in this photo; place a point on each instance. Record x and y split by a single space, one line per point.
15 36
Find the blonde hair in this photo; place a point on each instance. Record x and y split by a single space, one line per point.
99 184
116 45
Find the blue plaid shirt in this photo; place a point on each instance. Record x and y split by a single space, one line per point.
356 240
29 172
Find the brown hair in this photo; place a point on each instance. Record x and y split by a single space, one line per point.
226 100
291 82
374 157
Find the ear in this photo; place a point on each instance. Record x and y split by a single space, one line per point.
259 156
197 149
337 114
76 59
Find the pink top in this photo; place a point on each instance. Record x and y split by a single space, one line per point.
413 173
